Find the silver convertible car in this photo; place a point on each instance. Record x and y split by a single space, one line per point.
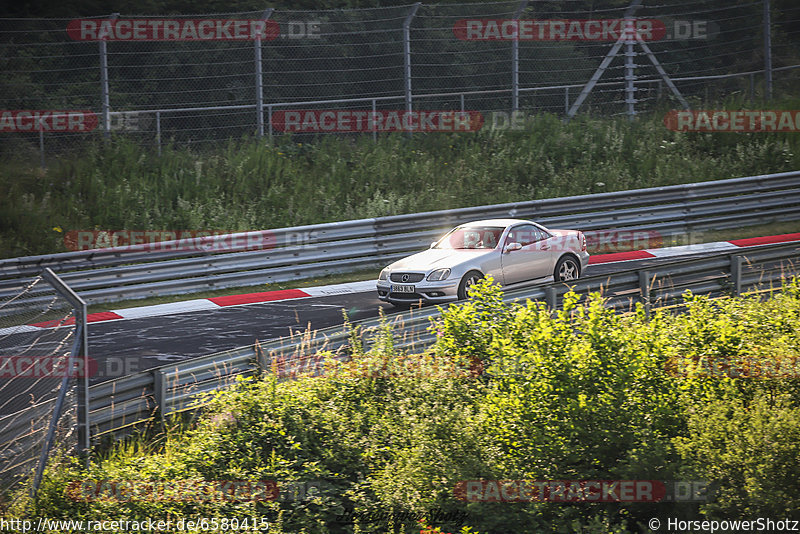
514 252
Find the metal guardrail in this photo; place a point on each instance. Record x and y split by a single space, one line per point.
107 275
173 388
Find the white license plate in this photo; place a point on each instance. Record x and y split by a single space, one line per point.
402 289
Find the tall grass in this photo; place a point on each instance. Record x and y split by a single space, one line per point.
247 184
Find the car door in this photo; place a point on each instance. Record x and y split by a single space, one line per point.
531 261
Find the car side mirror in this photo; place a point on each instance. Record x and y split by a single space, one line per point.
512 247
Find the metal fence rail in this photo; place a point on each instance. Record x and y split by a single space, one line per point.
173 388
107 275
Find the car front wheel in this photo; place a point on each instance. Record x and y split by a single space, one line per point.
469 280
566 269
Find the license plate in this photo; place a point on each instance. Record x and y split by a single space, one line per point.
402 289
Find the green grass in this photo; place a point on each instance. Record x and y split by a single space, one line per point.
246 185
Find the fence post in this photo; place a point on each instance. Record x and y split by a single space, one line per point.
767 50
41 147
630 70
515 58
374 112
260 76
80 349
609 57
84 422
407 52
158 131
269 119
104 92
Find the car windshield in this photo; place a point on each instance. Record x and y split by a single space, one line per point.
471 237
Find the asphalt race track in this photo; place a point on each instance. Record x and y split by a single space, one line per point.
124 347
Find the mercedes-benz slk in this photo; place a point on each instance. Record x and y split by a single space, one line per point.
514 252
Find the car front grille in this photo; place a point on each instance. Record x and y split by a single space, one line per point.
412 277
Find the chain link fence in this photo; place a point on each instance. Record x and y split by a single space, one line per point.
184 88
42 333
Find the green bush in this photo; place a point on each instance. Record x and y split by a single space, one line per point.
509 391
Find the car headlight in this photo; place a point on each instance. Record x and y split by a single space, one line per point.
438 274
384 274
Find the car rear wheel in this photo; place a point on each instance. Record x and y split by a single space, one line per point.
469 280
566 269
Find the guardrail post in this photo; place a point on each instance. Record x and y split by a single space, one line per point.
644 287
261 358
736 274
551 298
160 392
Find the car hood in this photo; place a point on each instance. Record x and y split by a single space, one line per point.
438 259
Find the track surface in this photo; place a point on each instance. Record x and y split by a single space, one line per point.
122 347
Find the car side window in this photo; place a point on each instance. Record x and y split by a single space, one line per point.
541 235
524 235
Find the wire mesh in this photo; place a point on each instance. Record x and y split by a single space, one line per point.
37 335
203 91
